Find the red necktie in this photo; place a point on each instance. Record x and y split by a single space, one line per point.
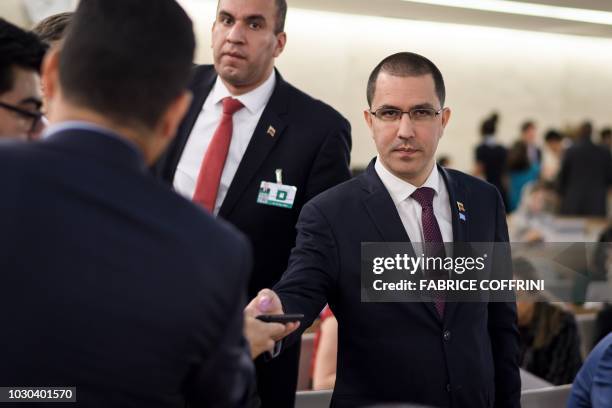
214 160
431 233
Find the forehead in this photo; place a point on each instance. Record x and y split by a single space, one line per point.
245 8
26 84
405 91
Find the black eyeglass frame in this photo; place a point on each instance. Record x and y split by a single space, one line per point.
34 116
401 113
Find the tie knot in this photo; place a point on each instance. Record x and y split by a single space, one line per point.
231 105
424 196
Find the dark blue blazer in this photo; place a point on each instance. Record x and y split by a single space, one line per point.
402 352
110 282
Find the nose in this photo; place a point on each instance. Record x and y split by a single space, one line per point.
236 33
405 127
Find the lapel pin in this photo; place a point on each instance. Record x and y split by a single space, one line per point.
462 216
460 206
271 131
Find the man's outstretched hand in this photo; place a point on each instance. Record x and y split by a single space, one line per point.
262 336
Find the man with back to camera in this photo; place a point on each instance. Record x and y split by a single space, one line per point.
246 126
433 353
111 279
21 55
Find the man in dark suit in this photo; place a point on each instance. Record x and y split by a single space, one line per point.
278 135
110 281
435 353
585 177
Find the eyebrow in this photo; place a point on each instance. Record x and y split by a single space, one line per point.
250 18
426 105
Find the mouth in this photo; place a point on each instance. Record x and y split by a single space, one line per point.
234 55
406 151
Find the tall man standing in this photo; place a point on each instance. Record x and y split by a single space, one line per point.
253 149
442 354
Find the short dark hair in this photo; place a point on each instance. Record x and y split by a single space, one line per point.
526 125
53 28
281 15
127 59
17 48
489 126
406 64
606 133
553 136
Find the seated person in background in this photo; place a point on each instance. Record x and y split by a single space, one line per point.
534 215
520 173
593 384
325 352
550 344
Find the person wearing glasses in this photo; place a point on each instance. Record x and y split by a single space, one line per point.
434 353
21 55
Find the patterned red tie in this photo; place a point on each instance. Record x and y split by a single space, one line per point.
214 160
431 233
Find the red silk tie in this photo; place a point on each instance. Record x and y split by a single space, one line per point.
214 160
431 232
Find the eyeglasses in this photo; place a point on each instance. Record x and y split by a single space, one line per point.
32 119
418 115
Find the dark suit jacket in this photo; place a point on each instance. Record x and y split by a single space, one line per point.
110 281
311 145
584 179
402 352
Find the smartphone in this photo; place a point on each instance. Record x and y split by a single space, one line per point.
281 318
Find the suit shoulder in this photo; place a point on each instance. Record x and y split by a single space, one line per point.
338 195
304 102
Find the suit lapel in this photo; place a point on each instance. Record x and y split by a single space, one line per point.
458 198
203 81
260 146
380 207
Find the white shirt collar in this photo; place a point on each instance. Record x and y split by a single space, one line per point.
400 189
253 100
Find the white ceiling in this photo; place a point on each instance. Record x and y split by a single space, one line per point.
415 11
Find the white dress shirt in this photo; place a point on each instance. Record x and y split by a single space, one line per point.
410 210
244 122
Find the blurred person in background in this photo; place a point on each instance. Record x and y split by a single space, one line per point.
52 31
605 138
325 352
585 176
491 157
520 173
21 55
550 343
534 216
529 134
551 156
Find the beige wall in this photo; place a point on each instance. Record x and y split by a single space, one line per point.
554 79
15 12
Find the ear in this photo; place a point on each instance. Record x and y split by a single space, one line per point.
50 73
212 30
368 118
174 114
446 114
281 40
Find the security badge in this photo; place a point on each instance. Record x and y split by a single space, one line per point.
276 194
461 209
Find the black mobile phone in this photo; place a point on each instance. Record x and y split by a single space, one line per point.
281 318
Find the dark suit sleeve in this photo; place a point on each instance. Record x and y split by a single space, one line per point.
331 166
313 268
504 334
227 379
